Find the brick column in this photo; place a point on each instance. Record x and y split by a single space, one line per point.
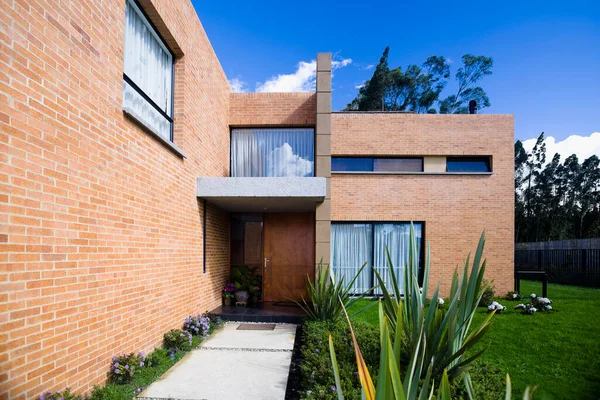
323 156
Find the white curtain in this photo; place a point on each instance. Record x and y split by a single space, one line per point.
272 152
351 247
149 65
396 238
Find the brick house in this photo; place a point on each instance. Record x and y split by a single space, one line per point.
126 200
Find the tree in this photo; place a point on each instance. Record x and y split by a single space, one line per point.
555 201
418 88
371 95
473 70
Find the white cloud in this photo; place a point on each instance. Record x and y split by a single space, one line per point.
582 146
283 162
303 80
370 66
237 85
362 85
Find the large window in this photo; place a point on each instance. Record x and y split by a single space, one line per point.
353 244
468 164
376 164
147 75
272 152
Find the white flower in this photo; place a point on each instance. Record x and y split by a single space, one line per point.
504 308
491 307
533 309
441 301
533 296
548 307
514 295
520 306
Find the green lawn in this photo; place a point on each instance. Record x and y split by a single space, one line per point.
559 352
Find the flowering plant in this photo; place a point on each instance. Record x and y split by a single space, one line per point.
122 368
176 339
229 290
197 325
535 304
64 395
495 306
512 296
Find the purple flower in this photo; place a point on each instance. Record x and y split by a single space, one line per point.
333 389
355 373
117 371
316 350
126 366
141 364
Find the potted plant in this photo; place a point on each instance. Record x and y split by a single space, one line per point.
229 293
245 280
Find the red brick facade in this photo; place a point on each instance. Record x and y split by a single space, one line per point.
272 109
100 226
455 208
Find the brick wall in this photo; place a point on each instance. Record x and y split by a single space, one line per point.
455 208
268 109
100 227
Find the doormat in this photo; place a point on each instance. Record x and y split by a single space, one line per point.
286 304
256 327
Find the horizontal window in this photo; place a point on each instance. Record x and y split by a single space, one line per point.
353 244
379 164
272 152
468 164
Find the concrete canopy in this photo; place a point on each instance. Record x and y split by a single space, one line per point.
263 194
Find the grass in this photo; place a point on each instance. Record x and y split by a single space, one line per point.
559 352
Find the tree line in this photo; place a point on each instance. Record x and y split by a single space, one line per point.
554 200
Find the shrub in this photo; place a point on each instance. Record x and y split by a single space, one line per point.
488 383
153 359
495 306
197 325
328 296
535 304
122 368
489 293
176 339
512 296
316 372
64 395
442 336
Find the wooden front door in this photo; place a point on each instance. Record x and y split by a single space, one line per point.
289 243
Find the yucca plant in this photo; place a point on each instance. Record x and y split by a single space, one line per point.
327 296
446 334
390 385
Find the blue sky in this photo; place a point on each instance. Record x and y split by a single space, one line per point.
546 53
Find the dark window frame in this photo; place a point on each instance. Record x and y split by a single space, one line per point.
139 90
373 158
421 252
487 160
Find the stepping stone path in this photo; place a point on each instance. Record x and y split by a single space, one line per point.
252 362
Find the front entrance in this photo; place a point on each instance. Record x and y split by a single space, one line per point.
289 241
280 247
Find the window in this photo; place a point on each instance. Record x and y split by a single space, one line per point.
147 75
353 244
468 164
272 152
371 164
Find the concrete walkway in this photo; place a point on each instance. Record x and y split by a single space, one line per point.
231 364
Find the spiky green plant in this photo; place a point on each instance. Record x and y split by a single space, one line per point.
447 333
390 385
327 296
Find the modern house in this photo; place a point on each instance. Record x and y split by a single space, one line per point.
133 180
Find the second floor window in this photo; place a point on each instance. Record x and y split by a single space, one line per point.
147 75
272 152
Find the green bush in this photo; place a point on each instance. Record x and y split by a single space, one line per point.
489 382
122 368
176 339
317 380
488 294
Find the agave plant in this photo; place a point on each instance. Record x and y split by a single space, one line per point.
446 335
390 385
328 296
